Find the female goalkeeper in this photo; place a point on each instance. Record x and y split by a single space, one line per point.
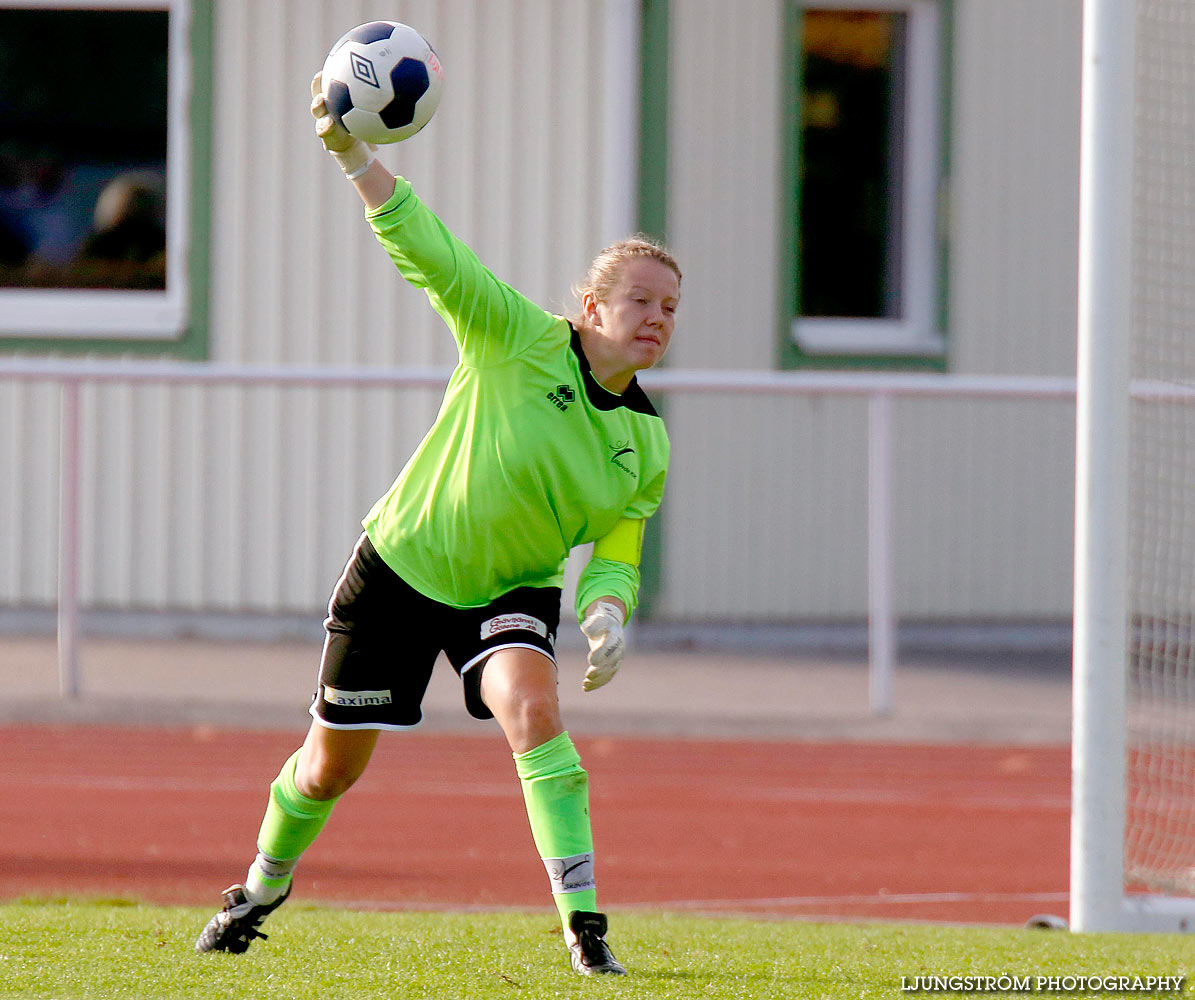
544 441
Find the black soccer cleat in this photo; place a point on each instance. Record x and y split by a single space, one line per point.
587 946
235 927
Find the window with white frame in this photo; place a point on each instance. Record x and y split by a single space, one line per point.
94 169
866 256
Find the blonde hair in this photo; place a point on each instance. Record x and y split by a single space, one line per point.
606 266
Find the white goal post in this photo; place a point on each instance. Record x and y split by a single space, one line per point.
1133 764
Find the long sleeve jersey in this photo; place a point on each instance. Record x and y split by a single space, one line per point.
529 454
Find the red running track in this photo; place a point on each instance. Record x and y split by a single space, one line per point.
975 834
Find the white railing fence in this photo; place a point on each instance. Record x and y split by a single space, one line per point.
879 389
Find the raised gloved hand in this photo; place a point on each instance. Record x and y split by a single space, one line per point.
352 154
603 627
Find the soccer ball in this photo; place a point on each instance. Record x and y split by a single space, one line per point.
382 81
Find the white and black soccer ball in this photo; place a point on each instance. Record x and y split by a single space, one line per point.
382 80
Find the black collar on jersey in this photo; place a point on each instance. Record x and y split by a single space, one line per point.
602 398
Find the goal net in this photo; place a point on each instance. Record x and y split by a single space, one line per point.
1133 822
1160 707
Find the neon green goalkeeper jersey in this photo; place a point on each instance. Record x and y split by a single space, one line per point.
529 455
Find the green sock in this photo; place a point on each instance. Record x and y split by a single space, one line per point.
556 791
291 824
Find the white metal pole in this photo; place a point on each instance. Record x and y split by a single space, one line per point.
620 119
1101 464
881 625
68 540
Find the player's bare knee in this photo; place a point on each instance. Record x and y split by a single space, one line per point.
326 780
531 721
325 787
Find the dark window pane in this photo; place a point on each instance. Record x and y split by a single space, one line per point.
852 115
83 150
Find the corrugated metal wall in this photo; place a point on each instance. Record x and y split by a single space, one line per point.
299 278
774 492
248 499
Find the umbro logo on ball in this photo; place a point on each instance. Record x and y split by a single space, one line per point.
363 70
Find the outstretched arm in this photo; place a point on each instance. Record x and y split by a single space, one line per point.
489 320
374 183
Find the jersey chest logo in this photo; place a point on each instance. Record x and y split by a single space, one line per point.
563 395
621 455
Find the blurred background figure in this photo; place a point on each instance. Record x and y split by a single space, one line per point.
77 225
15 241
127 244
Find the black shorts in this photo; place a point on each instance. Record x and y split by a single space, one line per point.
383 637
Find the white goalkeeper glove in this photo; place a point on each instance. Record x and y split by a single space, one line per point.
352 154
603 628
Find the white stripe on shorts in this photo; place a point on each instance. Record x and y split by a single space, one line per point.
509 645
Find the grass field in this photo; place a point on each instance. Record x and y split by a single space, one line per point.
74 949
